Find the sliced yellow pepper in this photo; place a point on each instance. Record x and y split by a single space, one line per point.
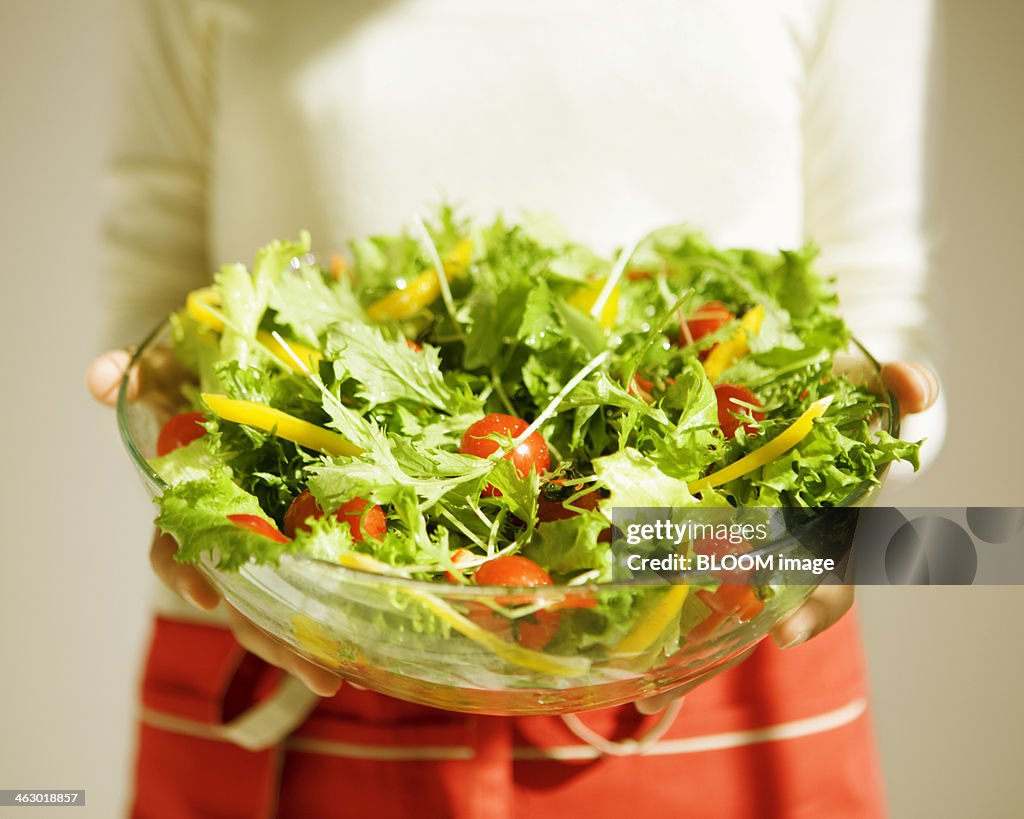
200 305
727 353
423 290
584 298
281 424
781 443
653 623
509 652
308 356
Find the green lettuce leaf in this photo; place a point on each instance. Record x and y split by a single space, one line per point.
195 513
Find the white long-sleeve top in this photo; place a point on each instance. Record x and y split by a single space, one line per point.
765 124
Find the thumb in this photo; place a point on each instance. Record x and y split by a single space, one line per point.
105 374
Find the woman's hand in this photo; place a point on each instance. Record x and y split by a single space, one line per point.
916 388
159 385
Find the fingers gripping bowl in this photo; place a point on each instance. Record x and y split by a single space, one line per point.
447 571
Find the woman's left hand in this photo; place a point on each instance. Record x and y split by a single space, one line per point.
916 388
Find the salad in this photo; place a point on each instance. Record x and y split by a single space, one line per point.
467 403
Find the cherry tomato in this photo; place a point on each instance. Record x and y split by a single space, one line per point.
805 393
706 319
181 429
726 602
705 628
642 387
363 518
576 601
260 526
512 570
458 556
529 454
551 502
733 599
536 630
727 395
719 547
301 509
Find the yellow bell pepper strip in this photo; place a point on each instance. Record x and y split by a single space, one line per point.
509 652
727 353
281 424
777 446
652 623
583 299
308 356
201 305
423 290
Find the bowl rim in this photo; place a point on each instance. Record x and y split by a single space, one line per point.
157 485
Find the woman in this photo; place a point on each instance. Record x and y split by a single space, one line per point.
764 123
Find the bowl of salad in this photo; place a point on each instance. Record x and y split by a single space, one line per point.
405 464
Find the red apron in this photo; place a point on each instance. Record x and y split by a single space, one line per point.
783 734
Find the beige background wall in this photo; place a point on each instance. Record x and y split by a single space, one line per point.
946 664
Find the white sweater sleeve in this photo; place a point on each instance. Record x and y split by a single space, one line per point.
864 116
864 174
156 229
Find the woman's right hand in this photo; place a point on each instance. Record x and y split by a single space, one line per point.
159 385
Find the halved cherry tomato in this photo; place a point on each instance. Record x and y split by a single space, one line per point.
260 526
727 395
529 454
363 518
181 429
705 320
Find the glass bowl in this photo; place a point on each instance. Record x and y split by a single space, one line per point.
477 649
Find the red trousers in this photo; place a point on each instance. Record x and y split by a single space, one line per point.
786 733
